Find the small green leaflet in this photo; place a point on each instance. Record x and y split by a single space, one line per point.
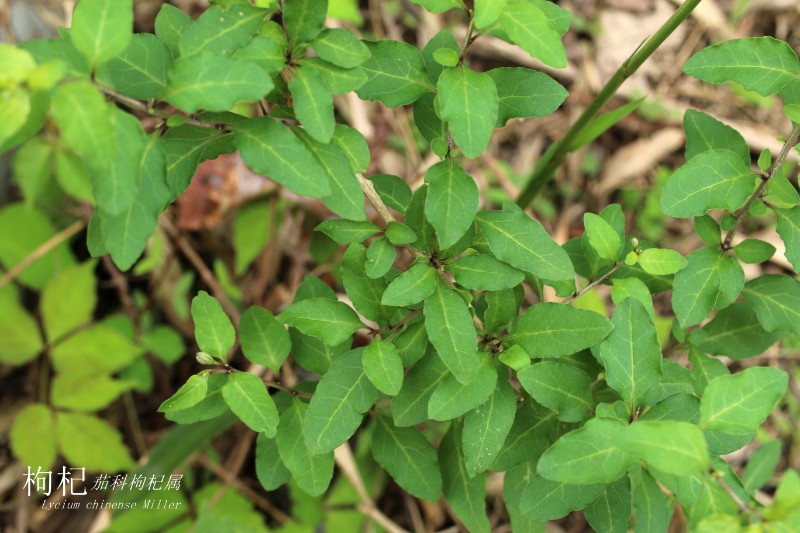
248 398
522 242
705 133
468 102
338 80
348 231
555 330
451 202
781 193
270 148
761 64
312 472
523 93
452 398
270 470
789 229
465 495
777 302
411 287
411 405
140 71
303 19
591 454
383 366
313 104
486 428
365 293
190 393
602 236
342 397
395 74
68 300
487 11
633 288
529 27
184 147
214 82
212 327
484 273
340 47
631 353
755 251
101 29
380 258
33 436
739 403
85 390
761 465
611 511
672 447
408 457
268 52
543 499
329 321
20 340
735 332
717 179
264 340
559 387
661 262
450 330
696 289
531 433
221 31
81 435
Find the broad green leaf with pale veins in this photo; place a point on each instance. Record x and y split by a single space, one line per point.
529 27
631 353
68 300
696 288
661 262
221 31
486 428
611 511
484 273
672 447
264 340
212 327
466 496
777 302
468 102
452 398
410 287
739 403
591 454
704 133
270 148
340 47
653 508
342 397
411 405
81 435
543 499
717 179
191 393
556 330
395 74
789 230
33 436
313 104
20 340
248 398
383 366
408 457
560 387
761 64
523 92
451 202
522 242
602 236
735 332
450 330
312 472
101 29
140 71
329 321
304 19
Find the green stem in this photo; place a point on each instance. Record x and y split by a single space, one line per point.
546 167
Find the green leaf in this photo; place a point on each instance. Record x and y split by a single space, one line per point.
451 202
33 436
171 24
140 71
115 190
739 403
611 511
412 341
635 288
696 288
705 133
543 499
761 466
329 321
411 287
446 57
86 390
101 29
341 48
717 179
270 148
452 398
20 340
488 11
398 233
270 470
466 495
191 393
348 231
221 30
450 330
68 300
408 457
312 472
395 74
212 406
529 436
602 237
248 398
264 340
556 330
735 332
342 397
212 327
81 435
184 147
313 104
313 354
631 353
15 110
529 27
268 51
304 19
484 272
338 80
672 447
776 299
31 167
559 387
789 229
383 366
438 6
662 262
365 293
653 508
354 146
761 64
410 406
98 347
522 242
755 251
486 428
252 225
214 82
781 193
590 454
468 101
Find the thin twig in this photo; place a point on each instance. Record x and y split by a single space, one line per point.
375 201
138 105
593 284
121 283
41 251
399 324
740 213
